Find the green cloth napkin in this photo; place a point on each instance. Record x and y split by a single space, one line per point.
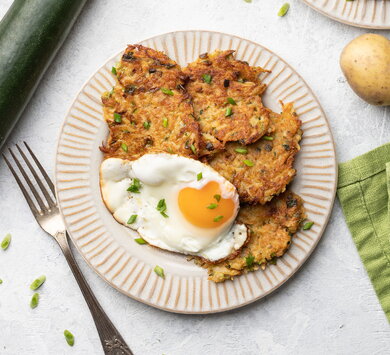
364 190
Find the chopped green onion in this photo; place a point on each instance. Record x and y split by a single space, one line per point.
6 241
124 147
140 241
212 206
218 218
113 70
217 197
135 186
37 283
199 176
1 281
159 271
34 300
132 219
117 117
284 9
268 138
167 91
248 162
193 148
248 1
146 124
69 337
207 78
249 260
241 150
228 112
165 122
162 207
231 101
307 226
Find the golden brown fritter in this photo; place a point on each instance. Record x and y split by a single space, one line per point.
149 111
226 96
263 169
271 229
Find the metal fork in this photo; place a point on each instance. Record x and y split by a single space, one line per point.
48 216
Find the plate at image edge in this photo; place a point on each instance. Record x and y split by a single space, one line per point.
108 246
373 14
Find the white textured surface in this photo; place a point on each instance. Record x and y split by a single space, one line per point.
328 307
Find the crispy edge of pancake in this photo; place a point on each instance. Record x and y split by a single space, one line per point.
212 80
152 119
272 227
272 160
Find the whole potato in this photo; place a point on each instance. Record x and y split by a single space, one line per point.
365 62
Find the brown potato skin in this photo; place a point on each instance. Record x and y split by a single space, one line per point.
365 62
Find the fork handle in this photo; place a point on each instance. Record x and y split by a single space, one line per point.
112 341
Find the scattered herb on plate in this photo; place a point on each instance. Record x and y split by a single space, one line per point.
159 271
307 225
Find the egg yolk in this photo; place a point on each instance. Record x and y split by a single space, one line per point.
205 207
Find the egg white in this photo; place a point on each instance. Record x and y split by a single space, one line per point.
162 176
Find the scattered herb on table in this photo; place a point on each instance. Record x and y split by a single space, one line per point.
6 242
34 300
1 281
284 9
37 283
69 337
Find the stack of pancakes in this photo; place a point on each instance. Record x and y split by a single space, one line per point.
212 111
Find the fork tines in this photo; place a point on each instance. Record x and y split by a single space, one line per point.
44 201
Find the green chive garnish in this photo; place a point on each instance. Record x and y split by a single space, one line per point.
132 219
218 218
146 124
159 271
193 148
248 162
113 70
217 197
124 147
140 241
69 337
228 112
1 281
212 206
6 241
268 138
231 101
199 176
241 150
135 186
117 117
284 9
162 207
249 260
165 122
37 283
34 300
207 78
307 226
248 1
167 91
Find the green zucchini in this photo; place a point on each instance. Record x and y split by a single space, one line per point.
31 33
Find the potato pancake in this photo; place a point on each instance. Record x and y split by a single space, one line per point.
272 227
149 110
226 95
263 169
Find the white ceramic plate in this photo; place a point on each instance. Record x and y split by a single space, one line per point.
360 13
109 247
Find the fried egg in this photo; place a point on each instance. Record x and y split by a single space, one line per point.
174 203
